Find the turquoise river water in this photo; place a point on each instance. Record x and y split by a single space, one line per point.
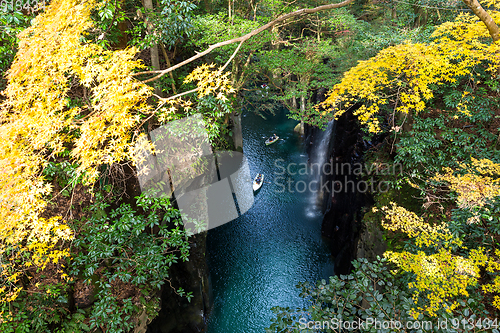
257 260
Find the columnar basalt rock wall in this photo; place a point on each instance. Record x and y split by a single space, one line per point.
344 204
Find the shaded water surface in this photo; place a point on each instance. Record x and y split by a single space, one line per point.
257 260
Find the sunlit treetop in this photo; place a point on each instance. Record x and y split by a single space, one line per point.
474 183
55 65
402 77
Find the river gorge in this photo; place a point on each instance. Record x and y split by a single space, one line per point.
256 261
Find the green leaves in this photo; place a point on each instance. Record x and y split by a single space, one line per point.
64 174
107 314
130 247
175 21
12 23
342 298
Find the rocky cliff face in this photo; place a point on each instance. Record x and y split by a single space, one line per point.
371 242
346 200
177 315
345 203
352 234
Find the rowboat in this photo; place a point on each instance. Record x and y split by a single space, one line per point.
271 141
257 183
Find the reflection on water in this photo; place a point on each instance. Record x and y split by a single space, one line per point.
257 260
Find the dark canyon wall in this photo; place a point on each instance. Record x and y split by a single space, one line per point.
343 202
177 315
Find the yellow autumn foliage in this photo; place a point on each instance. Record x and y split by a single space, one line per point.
398 218
439 277
494 287
440 274
475 183
37 124
402 76
210 81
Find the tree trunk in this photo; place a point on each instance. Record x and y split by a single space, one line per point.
207 5
394 12
167 60
155 57
235 71
492 27
476 8
420 16
123 27
237 132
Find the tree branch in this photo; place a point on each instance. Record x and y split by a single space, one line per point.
181 94
168 65
232 57
475 6
242 39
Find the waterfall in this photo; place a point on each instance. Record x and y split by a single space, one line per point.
318 157
319 154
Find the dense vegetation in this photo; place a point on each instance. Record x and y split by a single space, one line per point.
83 82
438 97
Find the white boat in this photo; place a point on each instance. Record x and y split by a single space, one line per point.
257 183
272 140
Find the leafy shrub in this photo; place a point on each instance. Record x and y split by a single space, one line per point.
132 248
124 254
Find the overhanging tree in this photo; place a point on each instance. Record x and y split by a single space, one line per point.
41 123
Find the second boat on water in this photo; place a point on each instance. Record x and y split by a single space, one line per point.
272 139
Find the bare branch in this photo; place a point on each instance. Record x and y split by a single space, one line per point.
232 57
241 39
181 94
